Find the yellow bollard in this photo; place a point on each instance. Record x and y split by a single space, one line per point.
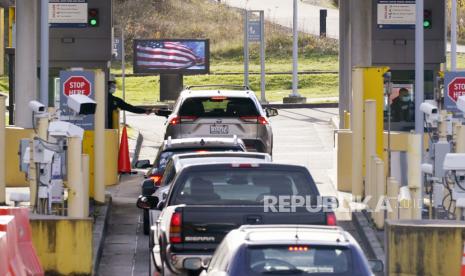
380 193
346 119
99 138
371 182
370 144
392 193
84 196
75 182
344 160
414 173
356 124
2 150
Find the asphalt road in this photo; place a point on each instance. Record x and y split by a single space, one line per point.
281 11
301 136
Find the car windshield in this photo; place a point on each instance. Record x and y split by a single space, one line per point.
165 156
241 186
299 260
219 106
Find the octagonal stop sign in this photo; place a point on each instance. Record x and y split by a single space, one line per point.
77 85
456 88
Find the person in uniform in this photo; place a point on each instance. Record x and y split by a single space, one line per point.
402 107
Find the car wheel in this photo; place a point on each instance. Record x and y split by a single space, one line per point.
146 221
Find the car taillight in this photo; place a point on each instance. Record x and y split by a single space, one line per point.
156 179
244 165
175 228
255 119
331 219
175 120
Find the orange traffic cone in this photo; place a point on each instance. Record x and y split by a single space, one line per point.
463 261
124 165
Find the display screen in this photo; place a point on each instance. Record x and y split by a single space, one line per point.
171 56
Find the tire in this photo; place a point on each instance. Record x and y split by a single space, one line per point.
146 222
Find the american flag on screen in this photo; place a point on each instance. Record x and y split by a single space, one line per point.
166 55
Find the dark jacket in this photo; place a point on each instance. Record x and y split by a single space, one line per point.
114 103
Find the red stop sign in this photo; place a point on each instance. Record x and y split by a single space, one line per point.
77 85
456 88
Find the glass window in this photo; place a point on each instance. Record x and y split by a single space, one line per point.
241 186
299 260
218 107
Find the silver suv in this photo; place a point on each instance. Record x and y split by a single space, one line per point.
221 113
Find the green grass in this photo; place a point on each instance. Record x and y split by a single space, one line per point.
145 90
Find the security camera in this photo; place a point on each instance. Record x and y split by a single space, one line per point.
64 129
37 107
428 108
461 103
82 104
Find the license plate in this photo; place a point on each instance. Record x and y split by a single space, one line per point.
219 129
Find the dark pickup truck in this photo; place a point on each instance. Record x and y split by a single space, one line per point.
206 201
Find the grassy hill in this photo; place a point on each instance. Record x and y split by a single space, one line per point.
223 26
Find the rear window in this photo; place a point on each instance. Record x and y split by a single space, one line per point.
240 186
299 260
218 106
165 156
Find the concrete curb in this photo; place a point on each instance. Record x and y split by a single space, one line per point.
367 233
100 230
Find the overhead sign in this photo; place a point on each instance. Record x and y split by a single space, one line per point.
76 82
67 13
396 14
454 83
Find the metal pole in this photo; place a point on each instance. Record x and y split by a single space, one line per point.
99 138
262 56
419 67
44 48
246 48
25 61
123 69
2 151
453 36
295 80
419 90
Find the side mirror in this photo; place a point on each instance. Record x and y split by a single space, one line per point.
163 112
148 187
142 164
376 266
270 112
161 205
147 202
192 263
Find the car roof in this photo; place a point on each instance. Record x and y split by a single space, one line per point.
291 234
188 159
203 142
218 92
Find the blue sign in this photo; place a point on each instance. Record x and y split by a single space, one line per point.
87 121
254 31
